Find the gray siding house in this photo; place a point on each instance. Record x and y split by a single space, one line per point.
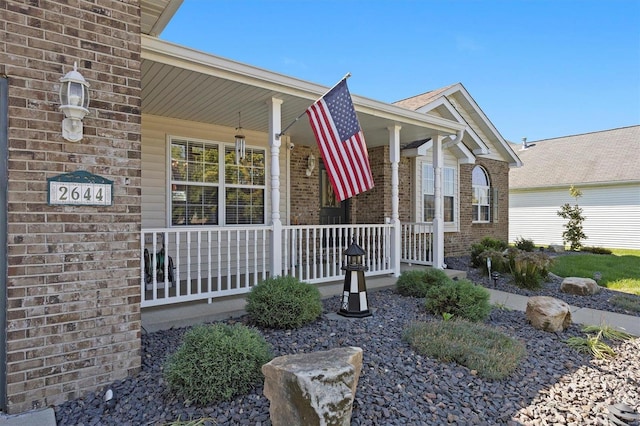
604 165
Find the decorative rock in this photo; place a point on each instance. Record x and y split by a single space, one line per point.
556 248
579 286
315 388
548 313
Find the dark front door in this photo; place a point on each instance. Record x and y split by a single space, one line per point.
332 211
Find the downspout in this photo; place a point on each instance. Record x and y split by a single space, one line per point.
4 183
454 141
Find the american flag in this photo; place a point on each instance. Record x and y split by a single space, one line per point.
341 142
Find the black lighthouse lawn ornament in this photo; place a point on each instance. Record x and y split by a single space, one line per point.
354 295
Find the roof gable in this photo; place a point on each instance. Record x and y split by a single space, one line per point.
600 157
456 96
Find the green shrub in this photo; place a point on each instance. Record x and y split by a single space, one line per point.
574 229
498 261
493 354
461 298
524 244
416 283
217 362
487 243
529 269
596 250
283 302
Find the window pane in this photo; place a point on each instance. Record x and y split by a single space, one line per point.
428 208
194 205
479 177
244 206
427 179
448 209
448 178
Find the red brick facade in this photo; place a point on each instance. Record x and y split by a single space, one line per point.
375 205
73 289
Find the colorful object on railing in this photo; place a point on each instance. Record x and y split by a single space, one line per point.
354 296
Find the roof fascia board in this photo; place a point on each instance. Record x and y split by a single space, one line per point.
459 88
444 102
186 58
165 17
578 185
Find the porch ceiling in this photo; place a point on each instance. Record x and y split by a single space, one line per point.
182 83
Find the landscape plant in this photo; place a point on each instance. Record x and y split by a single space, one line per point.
283 302
415 283
491 353
529 269
573 233
487 243
524 244
217 362
462 299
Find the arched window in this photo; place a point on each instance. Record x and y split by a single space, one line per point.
481 195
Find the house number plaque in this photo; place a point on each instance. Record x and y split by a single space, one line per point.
80 188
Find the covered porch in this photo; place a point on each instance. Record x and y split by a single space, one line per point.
192 99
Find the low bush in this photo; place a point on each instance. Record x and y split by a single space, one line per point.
628 302
217 362
493 354
462 299
529 269
283 302
499 262
524 244
487 243
596 250
415 283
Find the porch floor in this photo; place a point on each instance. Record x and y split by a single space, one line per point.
190 313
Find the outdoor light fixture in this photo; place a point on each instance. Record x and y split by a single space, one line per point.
74 103
311 164
240 142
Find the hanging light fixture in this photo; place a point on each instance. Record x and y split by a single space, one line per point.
74 103
240 141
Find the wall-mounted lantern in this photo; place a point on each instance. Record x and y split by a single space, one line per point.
311 164
354 296
74 103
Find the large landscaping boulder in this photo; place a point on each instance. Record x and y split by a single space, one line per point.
314 388
579 286
548 313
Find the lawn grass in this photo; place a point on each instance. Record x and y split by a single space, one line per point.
620 271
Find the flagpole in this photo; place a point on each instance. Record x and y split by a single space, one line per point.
278 135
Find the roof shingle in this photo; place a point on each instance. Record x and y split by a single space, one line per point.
598 157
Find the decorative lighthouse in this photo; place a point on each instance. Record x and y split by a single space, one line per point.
354 296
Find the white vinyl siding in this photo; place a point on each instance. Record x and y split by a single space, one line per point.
155 187
612 215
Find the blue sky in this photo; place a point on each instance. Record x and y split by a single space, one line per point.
538 69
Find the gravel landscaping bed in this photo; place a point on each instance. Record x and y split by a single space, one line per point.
598 301
553 385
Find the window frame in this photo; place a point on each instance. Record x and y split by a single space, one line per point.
476 205
451 192
222 184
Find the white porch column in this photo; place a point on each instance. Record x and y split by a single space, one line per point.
396 232
275 126
438 221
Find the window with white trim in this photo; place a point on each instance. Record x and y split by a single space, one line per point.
481 201
210 189
448 193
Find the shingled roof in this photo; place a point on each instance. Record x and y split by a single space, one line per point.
600 157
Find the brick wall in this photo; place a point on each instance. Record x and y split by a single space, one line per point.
73 302
457 244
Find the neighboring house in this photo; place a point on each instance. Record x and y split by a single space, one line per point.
604 165
162 124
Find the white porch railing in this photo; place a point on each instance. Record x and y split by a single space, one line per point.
184 265
417 243
313 253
